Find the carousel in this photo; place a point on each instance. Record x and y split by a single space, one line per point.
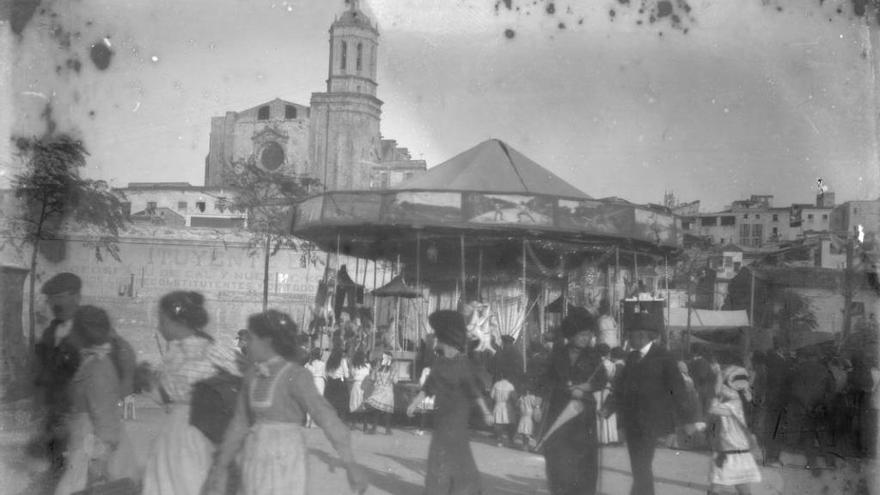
495 235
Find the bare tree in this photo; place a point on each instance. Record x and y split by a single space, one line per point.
269 198
51 193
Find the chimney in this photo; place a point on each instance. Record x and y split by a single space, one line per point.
825 200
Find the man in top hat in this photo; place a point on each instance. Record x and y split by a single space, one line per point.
57 359
650 396
569 440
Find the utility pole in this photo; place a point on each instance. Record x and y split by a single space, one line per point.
847 285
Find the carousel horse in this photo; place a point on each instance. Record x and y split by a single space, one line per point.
479 328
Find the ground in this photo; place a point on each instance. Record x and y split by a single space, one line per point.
396 465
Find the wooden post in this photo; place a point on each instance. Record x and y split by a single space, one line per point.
666 280
480 275
616 302
525 289
463 294
375 306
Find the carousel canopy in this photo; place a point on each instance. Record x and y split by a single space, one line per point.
487 201
492 166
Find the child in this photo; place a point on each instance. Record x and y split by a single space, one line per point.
316 368
606 428
381 400
426 407
529 413
271 408
452 380
734 464
502 394
360 370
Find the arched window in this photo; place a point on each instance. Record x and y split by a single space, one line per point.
289 112
360 56
343 60
263 113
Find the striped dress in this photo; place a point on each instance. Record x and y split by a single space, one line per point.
182 455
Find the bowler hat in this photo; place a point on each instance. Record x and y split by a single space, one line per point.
63 282
578 320
643 321
449 327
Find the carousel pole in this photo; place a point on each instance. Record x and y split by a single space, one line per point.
480 275
616 301
666 281
397 314
564 286
524 331
462 294
375 308
419 285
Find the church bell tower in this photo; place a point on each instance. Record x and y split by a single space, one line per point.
345 138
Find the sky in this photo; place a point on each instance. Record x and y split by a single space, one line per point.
758 97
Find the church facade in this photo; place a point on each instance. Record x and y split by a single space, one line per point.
336 139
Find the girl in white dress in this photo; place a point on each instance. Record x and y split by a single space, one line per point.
360 370
732 461
529 413
502 393
182 455
276 396
316 368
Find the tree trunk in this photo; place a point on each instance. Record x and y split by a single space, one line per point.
32 324
266 272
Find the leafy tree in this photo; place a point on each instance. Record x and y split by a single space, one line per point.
794 314
51 192
268 198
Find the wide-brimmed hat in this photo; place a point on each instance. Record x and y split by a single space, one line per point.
63 282
578 320
643 321
449 328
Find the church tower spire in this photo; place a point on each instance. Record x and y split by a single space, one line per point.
345 143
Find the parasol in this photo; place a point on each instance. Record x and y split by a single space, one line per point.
397 288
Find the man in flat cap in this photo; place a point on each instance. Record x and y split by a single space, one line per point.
651 397
57 359
570 447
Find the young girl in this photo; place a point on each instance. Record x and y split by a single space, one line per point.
98 445
182 454
316 368
502 395
451 466
381 400
733 463
360 370
273 403
606 428
529 413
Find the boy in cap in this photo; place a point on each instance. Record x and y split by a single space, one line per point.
650 396
451 466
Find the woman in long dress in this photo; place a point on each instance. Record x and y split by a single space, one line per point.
277 395
335 374
182 455
606 428
381 399
98 448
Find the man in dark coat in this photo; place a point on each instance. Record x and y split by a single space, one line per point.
650 396
508 362
57 359
574 371
775 396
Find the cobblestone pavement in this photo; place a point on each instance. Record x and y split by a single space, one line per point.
396 465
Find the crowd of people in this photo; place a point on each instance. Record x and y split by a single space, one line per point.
236 420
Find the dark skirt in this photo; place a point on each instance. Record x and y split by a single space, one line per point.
336 394
572 458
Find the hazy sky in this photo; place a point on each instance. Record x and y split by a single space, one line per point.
750 101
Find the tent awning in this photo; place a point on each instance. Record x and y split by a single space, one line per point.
396 288
707 319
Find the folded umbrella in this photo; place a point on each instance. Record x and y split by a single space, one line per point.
572 410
